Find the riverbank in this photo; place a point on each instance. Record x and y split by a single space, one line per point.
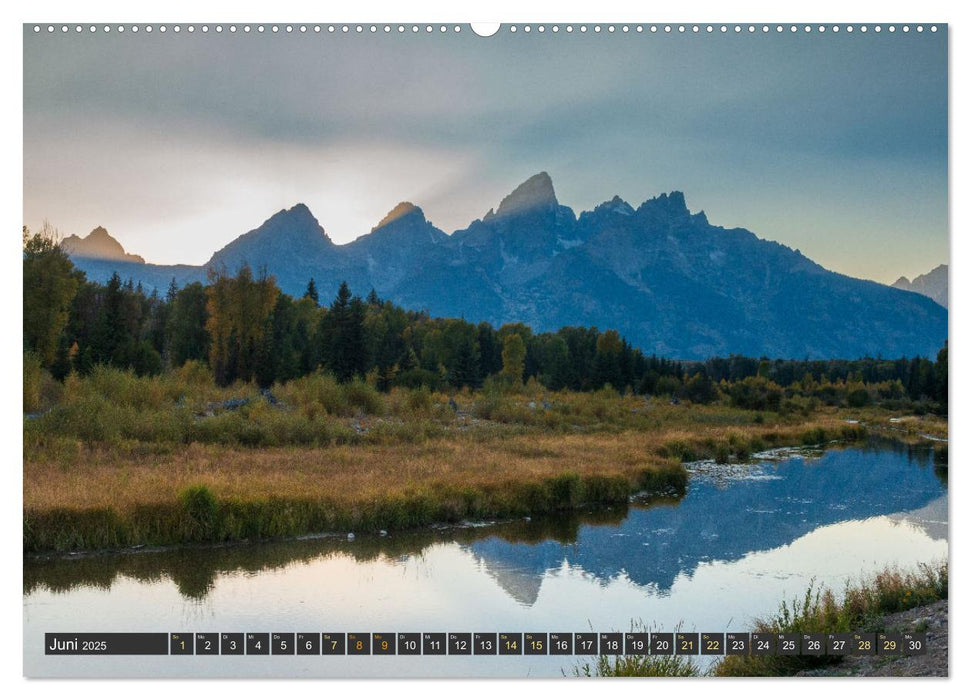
931 620
110 494
889 601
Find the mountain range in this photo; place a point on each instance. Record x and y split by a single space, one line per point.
671 282
932 284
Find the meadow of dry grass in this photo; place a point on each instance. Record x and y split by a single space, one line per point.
118 460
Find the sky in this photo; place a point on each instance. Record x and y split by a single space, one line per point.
834 144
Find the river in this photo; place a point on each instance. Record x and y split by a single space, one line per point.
743 539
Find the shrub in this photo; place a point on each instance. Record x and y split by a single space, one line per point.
194 373
639 666
41 390
313 394
202 511
566 491
858 398
419 401
755 394
680 450
700 389
358 394
667 386
418 378
88 418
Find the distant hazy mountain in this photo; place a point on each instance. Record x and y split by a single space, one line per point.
97 244
667 279
932 284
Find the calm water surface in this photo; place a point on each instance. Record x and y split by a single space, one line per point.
744 538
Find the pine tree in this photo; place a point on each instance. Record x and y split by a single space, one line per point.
466 370
109 334
342 335
311 292
185 328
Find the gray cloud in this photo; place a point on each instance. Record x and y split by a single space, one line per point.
836 144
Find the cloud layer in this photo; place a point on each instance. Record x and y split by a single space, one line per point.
835 144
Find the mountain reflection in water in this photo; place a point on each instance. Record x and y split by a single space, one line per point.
725 515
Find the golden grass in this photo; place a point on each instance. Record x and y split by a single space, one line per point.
102 477
124 460
86 476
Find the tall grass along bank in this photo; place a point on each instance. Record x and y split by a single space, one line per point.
118 460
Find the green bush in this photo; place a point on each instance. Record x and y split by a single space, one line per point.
566 491
202 511
419 401
88 418
639 666
417 379
358 394
680 450
312 394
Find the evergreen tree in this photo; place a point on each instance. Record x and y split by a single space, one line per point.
342 333
465 369
187 337
554 357
490 350
110 335
269 358
311 292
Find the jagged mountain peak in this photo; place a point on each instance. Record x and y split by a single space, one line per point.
401 211
99 232
298 219
535 194
298 214
98 245
292 234
670 203
615 205
931 284
404 228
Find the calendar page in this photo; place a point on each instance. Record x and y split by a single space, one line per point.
524 350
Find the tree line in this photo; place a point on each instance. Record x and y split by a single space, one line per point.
247 329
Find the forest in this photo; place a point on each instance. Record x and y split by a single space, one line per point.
245 329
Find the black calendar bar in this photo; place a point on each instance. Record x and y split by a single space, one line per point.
106 644
482 643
